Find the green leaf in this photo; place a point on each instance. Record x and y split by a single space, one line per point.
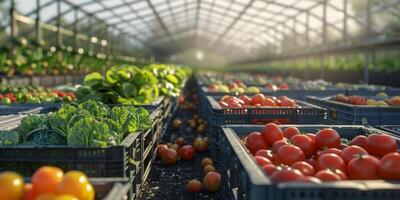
97 109
87 131
93 79
9 138
59 120
128 90
30 123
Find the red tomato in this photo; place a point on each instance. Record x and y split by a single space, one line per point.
304 167
286 175
268 102
180 141
310 161
341 174
330 161
343 145
351 152
312 136
267 154
305 143
291 131
278 145
289 154
287 103
328 138
262 160
360 140
187 152
255 142
310 179
269 169
388 167
327 175
161 149
381 144
170 156
330 150
223 104
272 133
234 104
246 100
363 167
257 99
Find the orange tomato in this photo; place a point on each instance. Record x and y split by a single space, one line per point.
46 197
46 180
29 193
90 192
74 183
11 186
65 197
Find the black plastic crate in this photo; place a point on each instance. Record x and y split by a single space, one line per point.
122 161
243 179
217 116
395 129
343 113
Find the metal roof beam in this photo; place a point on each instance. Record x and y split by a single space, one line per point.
233 22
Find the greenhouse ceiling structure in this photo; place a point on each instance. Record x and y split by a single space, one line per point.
242 31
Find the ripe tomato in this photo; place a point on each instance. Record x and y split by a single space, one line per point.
330 150
304 167
341 174
46 197
363 167
330 161
65 197
388 167
180 141
267 154
328 138
187 152
310 179
208 168
381 144
310 161
272 133
161 149
257 99
327 175
212 181
246 100
289 154
343 145
305 143
46 179
287 102
312 136
351 152
255 142
268 102
12 186
360 140
269 169
286 175
194 186
291 131
278 145
262 160
29 194
74 183
199 144
170 156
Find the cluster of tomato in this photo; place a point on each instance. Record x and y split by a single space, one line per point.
289 155
258 100
47 183
211 180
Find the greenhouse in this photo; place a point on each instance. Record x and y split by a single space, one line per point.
199 99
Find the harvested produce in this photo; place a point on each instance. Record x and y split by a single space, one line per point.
258 100
90 123
47 183
306 157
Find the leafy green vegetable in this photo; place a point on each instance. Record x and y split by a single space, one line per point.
30 123
9 138
90 123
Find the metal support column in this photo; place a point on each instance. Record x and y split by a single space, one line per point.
38 29
344 33
324 39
